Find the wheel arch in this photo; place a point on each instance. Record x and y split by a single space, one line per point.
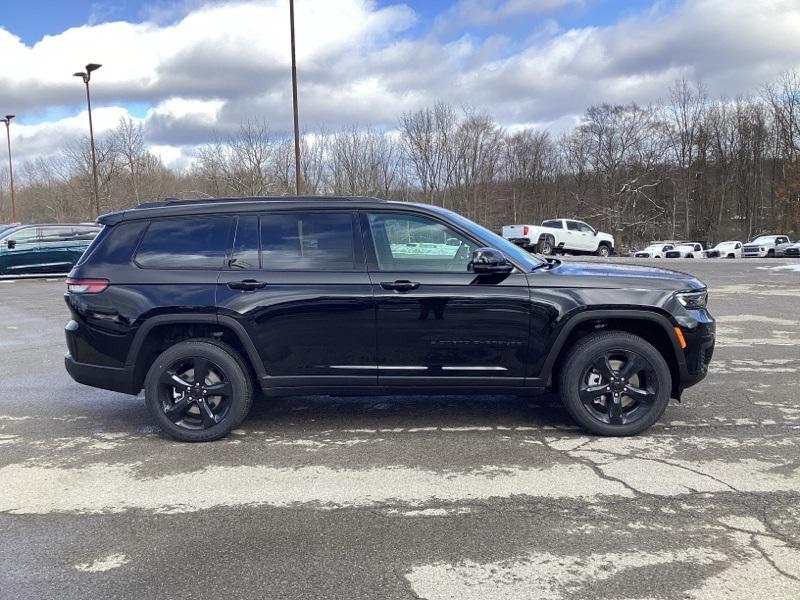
652 326
160 332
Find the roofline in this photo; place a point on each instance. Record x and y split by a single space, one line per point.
170 207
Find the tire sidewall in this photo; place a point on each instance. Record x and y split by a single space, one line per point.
578 361
603 251
231 367
546 247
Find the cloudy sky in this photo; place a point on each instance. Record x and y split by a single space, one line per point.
191 69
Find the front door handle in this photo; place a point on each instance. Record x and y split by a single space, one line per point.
247 285
402 285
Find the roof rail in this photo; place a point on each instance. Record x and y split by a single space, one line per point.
179 201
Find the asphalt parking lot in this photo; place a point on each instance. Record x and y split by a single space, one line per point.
467 498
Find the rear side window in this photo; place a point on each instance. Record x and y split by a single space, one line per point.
185 243
57 234
307 241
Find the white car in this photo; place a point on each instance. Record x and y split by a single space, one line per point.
687 250
792 250
729 249
560 235
765 246
654 250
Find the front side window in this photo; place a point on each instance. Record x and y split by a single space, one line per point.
408 242
185 243
23 236
584 228
307 241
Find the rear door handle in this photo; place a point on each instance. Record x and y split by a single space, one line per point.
247 285
402 285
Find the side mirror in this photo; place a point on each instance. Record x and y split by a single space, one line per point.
490 261
11 244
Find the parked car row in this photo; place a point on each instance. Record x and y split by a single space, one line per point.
43 248
763 246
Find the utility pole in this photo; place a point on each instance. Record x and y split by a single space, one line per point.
294 105
87 76
7 121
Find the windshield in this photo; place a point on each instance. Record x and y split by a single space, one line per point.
4 229
684 247
512 251
763 239
726 244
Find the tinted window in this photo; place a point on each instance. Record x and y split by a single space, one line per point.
584 227
406 242
307 241
552 223
573 226
185 243
245 244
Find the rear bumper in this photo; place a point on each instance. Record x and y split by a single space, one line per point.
107 378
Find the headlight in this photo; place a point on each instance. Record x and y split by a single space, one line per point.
693 300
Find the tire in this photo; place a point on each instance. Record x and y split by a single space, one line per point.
545 246
587 389
196 414
603 250
771 254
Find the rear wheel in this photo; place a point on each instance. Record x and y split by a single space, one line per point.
198 390
615 383
545 246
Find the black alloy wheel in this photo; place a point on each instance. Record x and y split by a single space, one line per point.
198 390
194 393
618 387
615 383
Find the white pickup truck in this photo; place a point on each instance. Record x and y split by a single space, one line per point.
561 235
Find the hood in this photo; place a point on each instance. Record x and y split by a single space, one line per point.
604 275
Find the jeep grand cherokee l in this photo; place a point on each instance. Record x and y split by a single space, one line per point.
198 302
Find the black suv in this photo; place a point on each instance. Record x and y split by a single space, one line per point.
198 302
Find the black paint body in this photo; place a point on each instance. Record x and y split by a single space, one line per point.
344 332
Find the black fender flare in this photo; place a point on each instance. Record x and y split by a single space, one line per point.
572 322
199 319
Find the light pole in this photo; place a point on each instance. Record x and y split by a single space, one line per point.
294 105
7 121
87 76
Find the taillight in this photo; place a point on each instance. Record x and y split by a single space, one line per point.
86 286
524 230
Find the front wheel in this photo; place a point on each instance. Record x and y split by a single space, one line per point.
603 251
198 390
615 383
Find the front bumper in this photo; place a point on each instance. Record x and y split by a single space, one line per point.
700 341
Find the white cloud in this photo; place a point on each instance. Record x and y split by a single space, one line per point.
221 63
